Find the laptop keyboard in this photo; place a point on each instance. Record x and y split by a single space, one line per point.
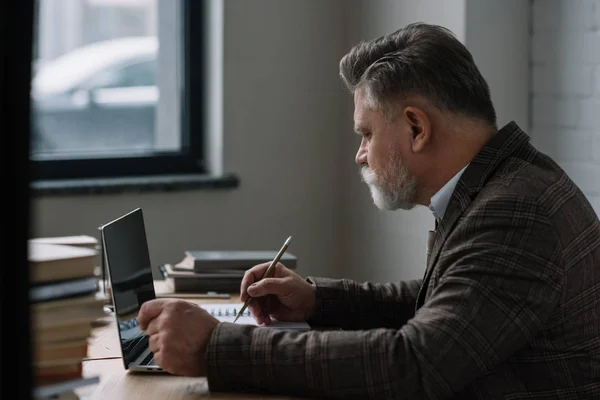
129 324
149 360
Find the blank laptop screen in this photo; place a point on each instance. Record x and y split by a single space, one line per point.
131 281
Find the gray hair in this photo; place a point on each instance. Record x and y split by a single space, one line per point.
419 59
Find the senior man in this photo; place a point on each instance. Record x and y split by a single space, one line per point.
508 307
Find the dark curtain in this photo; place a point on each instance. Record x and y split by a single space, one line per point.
16 28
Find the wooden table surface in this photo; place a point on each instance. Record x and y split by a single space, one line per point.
116 383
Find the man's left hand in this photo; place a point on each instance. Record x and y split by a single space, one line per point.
179 332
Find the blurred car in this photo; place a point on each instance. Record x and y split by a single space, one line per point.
97 98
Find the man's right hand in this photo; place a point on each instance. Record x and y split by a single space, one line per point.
285 296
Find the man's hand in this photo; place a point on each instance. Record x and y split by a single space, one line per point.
179 332
285 296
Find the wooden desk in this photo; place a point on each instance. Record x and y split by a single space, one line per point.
117 383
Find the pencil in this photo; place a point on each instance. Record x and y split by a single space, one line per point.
267 273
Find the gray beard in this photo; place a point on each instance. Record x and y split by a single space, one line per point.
396 188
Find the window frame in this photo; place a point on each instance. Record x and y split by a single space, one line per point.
191 159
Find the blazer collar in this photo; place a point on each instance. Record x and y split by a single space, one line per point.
505 142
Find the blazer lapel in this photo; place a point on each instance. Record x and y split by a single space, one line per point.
504 143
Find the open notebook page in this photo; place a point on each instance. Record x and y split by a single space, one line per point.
226 312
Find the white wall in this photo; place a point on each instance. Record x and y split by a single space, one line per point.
383 246
565 88
281 122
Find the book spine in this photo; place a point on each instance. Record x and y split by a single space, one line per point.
204 266
186 285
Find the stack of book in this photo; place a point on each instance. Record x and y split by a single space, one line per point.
64 304
218 270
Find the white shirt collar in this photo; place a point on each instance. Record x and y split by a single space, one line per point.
440 200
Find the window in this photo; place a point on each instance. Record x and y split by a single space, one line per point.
136 74
139 74
113 85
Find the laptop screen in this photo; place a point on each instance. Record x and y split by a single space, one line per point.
130 272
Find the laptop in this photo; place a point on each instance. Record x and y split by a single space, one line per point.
129 271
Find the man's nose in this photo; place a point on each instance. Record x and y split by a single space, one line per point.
361 155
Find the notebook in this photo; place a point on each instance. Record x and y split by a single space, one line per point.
205 260
226 312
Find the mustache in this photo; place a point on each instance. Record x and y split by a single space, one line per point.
364 170
367 175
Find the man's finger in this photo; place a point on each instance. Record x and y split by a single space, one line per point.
255 310
267 286
247 280
148 311
154 344
152 328
266 319
158 358
251 276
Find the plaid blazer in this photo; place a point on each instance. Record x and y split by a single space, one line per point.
509 307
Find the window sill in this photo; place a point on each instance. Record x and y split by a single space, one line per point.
160 183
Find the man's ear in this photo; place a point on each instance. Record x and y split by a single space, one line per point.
420 126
